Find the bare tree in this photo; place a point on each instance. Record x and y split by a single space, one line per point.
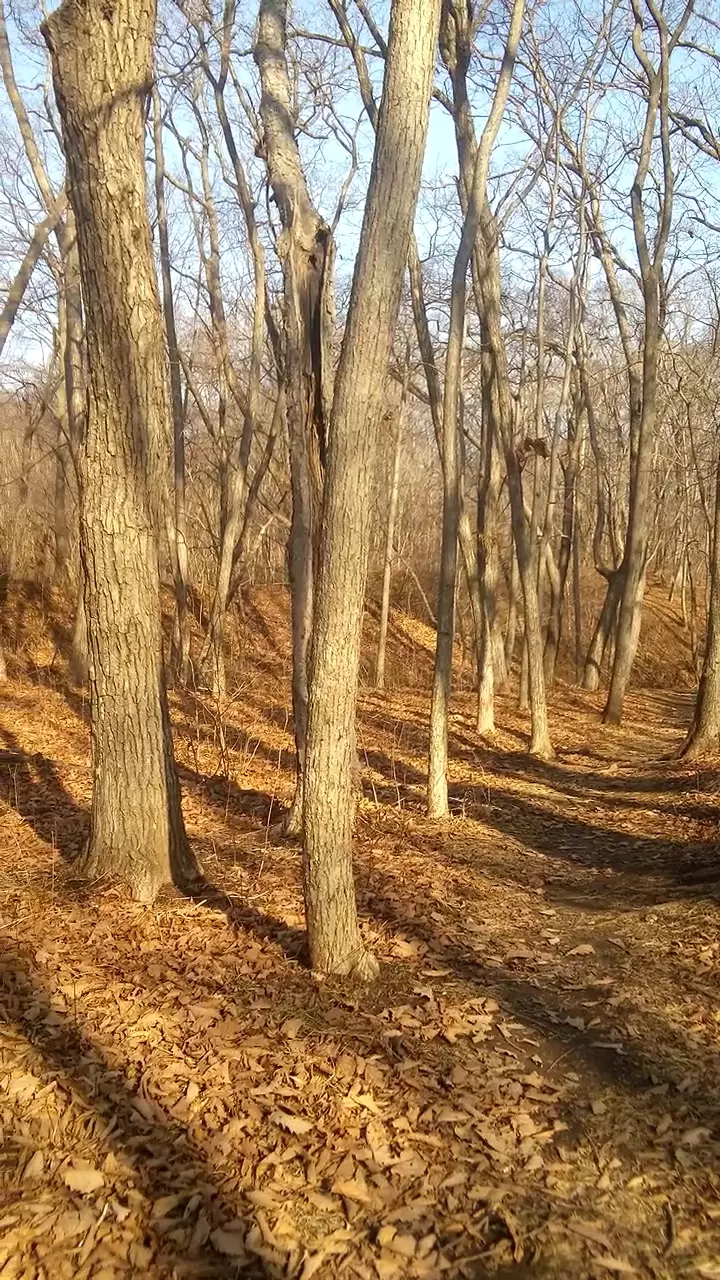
102 58
333 932
455 20
307 252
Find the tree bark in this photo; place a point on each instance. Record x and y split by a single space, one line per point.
102 72
334 937
307 252
650 259
704 735
389 555
178 527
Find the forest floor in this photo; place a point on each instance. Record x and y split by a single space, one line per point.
532 1088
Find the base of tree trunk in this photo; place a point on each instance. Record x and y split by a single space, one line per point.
438 812
591 678
360 966
700 744
541 750
612 716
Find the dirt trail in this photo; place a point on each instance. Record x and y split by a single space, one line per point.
532 1089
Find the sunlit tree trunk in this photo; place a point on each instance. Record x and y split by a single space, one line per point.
307 252
333 933
102 72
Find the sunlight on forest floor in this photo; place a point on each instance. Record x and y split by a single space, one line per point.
530 1089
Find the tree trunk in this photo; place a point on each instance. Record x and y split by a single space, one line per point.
704 735
307 252
333 933
79 645
178 528
389 555
102 72
603 631
512 618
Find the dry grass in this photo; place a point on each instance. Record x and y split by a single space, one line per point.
532 1087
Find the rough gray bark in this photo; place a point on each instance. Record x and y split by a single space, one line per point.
102 71
334 938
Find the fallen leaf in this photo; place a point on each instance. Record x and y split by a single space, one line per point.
588 1232
353 1188
34 1166
230 1243
84 1181
294 1124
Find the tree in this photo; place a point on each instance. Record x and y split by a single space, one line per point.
651 256
333 932
102 64
307 252
459 20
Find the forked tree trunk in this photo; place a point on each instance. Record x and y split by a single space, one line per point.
307 252
704 735
334 938
102 71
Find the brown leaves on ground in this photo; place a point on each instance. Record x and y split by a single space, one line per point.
530 1089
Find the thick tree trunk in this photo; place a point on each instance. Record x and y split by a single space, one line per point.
333 933
389 555
102 71
636 544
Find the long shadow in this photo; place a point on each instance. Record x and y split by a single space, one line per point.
649 870
34 789
160 1153
545 1002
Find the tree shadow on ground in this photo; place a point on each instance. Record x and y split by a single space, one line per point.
160 1153
33 788
656 1064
